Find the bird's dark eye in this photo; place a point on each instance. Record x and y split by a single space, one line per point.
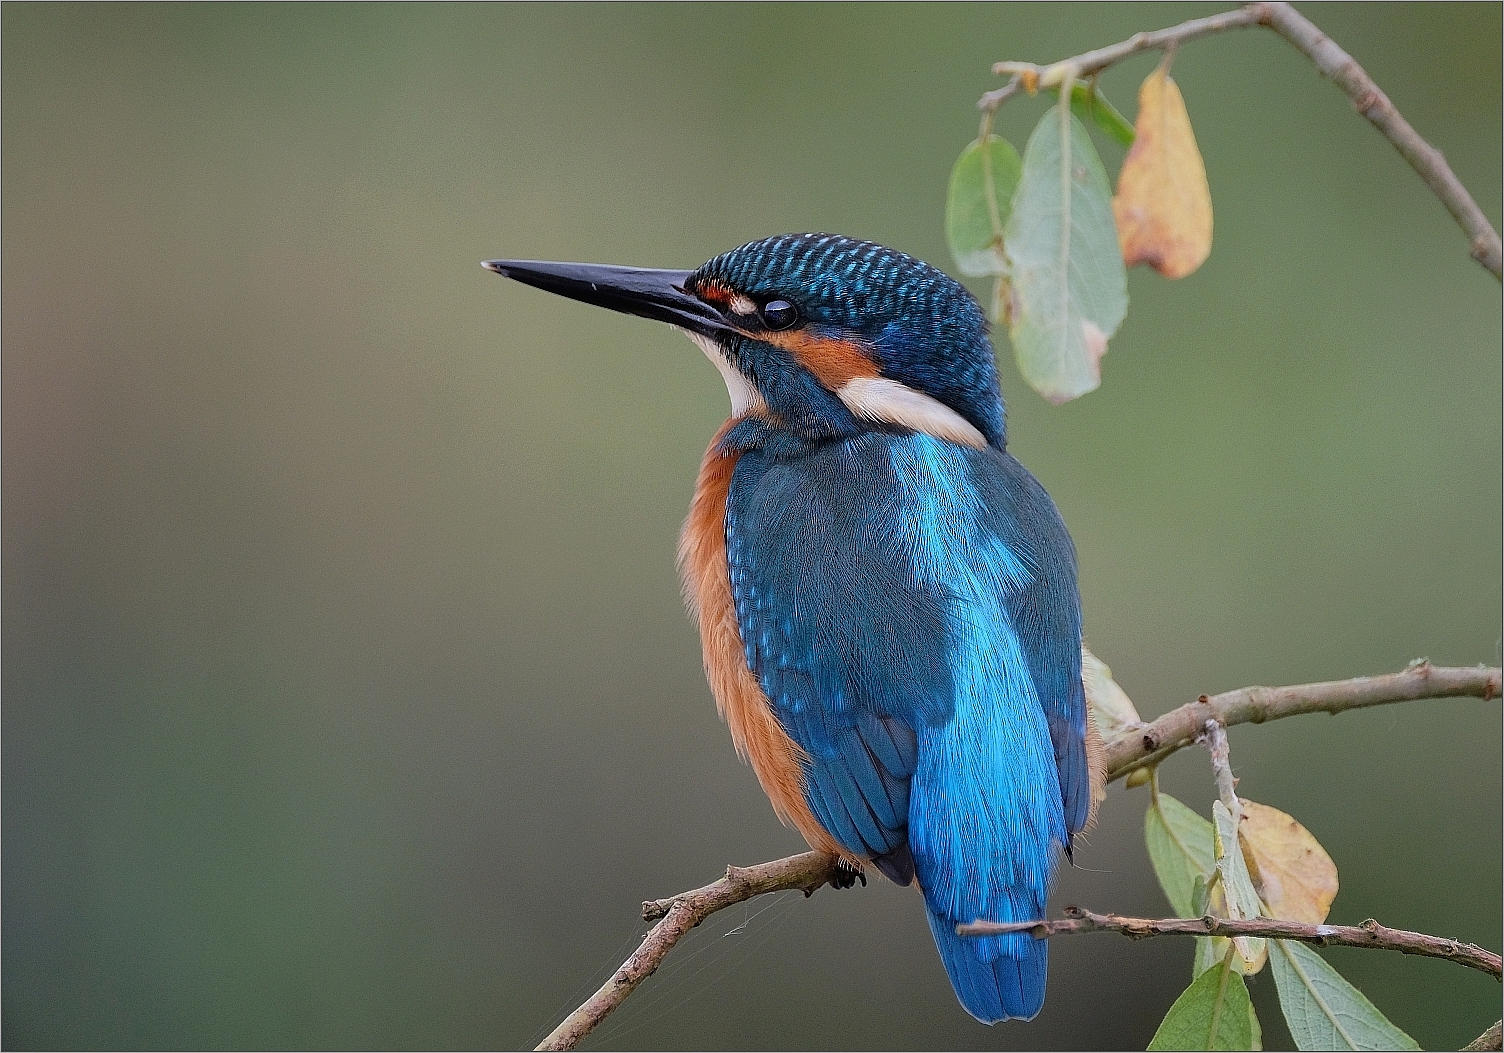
779 314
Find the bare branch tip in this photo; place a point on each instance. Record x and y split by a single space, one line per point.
1492 1039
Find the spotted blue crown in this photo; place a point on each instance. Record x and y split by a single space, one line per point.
927 330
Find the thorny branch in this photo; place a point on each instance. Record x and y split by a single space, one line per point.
1369 934
1334 63
1137 747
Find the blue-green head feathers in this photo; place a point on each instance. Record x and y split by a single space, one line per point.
923 328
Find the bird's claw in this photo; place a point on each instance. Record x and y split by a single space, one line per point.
847 875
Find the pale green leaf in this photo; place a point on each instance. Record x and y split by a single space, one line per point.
1206 955
1069 289
976 207
1237 887
1212 949
1215 1012
1110 704
1323 1010
1181 849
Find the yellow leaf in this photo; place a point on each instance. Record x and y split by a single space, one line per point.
1163 206
1295 878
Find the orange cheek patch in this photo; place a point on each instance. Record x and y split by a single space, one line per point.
833 362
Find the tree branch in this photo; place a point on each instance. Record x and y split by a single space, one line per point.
1373 104
1334 63
1178 728
1096 61
1492 1039
1369 934
1138 747
676 916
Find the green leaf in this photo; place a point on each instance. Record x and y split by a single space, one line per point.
1090 105
1213 1013
1181 849
1208 951
1069 290
1323 1010
976 207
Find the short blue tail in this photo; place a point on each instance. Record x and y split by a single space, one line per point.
995 978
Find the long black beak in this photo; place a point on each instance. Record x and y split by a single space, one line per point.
652 294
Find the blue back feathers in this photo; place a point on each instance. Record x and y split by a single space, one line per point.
909 606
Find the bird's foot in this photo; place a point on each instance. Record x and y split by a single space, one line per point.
847 875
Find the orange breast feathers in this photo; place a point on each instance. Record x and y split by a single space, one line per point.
759 738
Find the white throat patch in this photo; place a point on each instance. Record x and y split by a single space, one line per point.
870 398
744 397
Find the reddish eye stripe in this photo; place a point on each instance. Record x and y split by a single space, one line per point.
713 292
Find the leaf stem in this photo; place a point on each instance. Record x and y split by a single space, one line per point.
989 183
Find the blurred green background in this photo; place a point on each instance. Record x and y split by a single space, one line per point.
348 697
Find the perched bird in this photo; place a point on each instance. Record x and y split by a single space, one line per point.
886 598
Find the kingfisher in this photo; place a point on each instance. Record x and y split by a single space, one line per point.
886 598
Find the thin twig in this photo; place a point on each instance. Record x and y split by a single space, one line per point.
993 99
1214 738
676 915
1178 728
1428 162
1334 63
1369 934
1492 1039
1096 61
